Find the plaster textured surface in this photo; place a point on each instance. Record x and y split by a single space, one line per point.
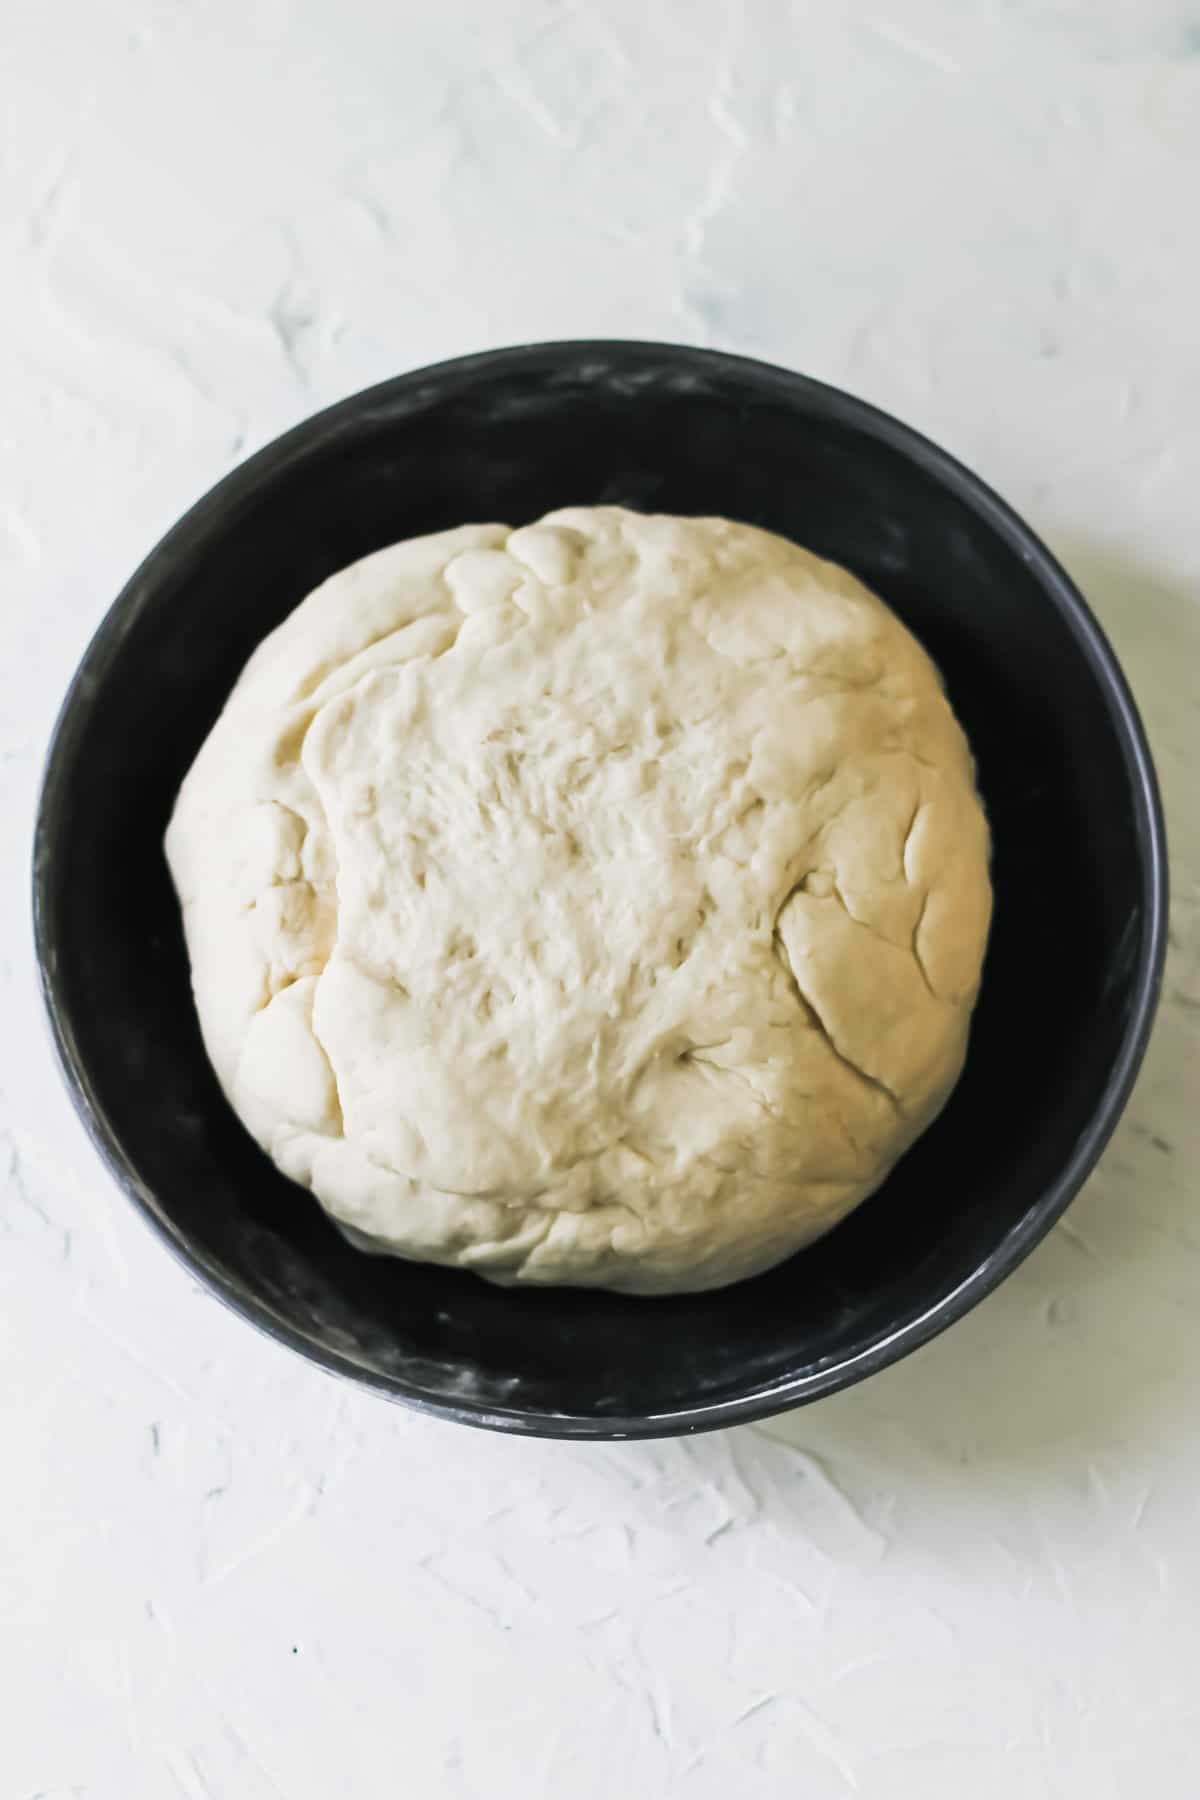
224 1576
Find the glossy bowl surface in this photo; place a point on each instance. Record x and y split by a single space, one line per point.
1073 968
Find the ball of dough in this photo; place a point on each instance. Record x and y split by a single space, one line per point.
598 902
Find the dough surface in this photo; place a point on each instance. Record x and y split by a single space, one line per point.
598 902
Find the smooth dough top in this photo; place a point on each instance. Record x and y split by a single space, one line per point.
598 902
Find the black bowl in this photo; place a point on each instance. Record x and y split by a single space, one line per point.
1072 973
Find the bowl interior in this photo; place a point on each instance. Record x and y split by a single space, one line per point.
508 437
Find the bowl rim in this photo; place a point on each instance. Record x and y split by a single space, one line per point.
1058 588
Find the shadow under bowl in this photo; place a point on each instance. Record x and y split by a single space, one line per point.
1073 968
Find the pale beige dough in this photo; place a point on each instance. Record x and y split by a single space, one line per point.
598 902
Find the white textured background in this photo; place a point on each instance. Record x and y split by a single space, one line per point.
222 1575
